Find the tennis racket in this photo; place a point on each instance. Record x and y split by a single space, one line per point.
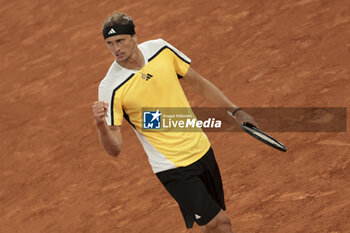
263 137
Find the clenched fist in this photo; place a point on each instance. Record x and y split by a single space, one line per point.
99 109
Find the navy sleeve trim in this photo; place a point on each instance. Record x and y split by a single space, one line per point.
166 47
113 94
126 117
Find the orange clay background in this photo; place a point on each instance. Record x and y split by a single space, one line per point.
56 177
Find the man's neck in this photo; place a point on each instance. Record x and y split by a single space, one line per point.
135 62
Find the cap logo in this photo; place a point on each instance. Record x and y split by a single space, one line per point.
112 31
125 29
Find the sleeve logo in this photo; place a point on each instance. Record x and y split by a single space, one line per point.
146 76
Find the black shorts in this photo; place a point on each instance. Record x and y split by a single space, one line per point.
197 189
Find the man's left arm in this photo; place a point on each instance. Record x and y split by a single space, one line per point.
210 92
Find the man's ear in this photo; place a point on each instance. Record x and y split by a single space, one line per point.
134 37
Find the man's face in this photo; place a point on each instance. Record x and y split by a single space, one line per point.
122 46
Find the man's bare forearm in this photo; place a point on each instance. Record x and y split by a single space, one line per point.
208 90
110 138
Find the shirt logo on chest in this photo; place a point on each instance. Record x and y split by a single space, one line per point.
146 76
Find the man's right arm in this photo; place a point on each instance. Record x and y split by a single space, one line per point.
110 136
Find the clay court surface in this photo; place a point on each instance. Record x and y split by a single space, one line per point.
55 176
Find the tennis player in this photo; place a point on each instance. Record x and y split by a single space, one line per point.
147 75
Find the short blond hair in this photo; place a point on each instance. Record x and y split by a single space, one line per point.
118 18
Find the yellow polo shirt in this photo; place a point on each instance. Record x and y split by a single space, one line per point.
156 85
